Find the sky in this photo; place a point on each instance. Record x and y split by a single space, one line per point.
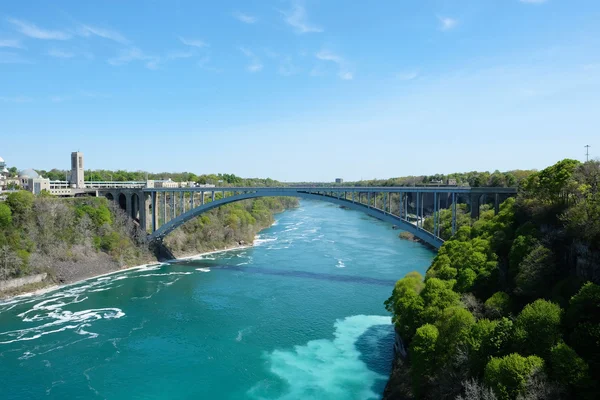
299 90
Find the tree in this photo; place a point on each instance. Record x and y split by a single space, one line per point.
499 304
454 327
21 204
583 320
488 339
567 367
9 262
538 327
5 216
422 352
508 375
535 271
406 304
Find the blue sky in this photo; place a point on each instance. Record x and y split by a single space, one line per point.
300 90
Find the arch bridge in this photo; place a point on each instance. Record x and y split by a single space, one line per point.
159 211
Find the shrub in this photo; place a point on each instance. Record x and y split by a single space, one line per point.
538 327
508 375
498 305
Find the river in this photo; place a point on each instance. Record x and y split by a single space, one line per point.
298 316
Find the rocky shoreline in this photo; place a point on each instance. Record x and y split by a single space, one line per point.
399 384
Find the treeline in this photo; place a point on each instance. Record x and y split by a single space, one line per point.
473 179
65 237
75 238
227 226
128 176
510 306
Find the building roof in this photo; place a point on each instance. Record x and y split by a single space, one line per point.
1 159
28 173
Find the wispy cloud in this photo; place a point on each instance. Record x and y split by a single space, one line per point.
193 42
447 23
60 53
16 99
88 30
286 66
245 18
255 63
407 75
343 73
13 43
12 58
134 54
33 31
533 1
296 18
174 55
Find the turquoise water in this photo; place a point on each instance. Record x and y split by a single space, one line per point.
298 316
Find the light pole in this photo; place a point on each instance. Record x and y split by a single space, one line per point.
587 152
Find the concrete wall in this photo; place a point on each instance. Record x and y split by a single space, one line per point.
18 282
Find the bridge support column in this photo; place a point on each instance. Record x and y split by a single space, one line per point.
154 211
417 210
128 204
164 194
213 196
353 196
475 206
369 199
496 203
435 213
143 210
453 213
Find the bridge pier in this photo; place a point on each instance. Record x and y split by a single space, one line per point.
475 198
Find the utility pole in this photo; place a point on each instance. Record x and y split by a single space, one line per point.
587 152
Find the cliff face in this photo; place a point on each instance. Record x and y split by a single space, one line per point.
399 384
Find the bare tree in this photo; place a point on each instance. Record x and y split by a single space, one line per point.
9 262
474 390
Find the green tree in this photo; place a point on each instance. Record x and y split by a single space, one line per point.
583 320
508 375
499 304
538 327
5 216
567 367
406 305
422 352
535 271
21 204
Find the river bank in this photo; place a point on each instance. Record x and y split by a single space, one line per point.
49 284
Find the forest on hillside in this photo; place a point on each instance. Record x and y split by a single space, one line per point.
75 238
510 306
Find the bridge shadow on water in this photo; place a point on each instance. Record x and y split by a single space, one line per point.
299 274
376 351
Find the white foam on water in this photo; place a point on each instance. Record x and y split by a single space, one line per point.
324 368
241 333
244 263
203 269
259 242
340 264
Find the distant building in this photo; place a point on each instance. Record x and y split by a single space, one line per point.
339 180
77 179
37 185
168 183
25 175
452 182
3 174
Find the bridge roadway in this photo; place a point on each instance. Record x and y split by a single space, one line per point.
406 207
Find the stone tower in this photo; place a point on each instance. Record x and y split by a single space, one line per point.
77 178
